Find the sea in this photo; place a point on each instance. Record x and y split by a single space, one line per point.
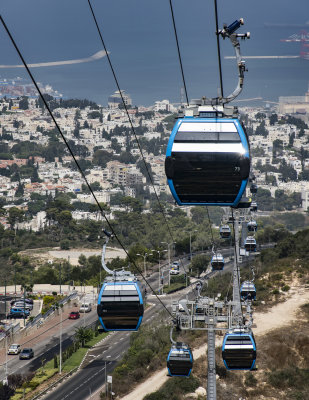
141 43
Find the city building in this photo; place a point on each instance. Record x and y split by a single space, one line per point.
115 99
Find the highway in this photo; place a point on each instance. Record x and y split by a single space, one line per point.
46 344
90 378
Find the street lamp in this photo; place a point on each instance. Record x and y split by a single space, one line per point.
169 260
190 233
144 256
159 252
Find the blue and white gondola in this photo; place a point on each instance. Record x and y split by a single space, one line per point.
121 305
225 232
180 360
207 161
239 350
252 226
250 244
217 262
248 291
254 206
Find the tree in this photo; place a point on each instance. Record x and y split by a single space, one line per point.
304 176
83 335
15 215
261 130
20 190
277 148
273 119
291 139
115 145
24 103
102 157
199 264
132 204
260 116
64 217
287 171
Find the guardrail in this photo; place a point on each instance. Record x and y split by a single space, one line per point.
39 317
37 396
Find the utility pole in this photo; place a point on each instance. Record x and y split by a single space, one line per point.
190 233
24 306
60 339
6 358
60 291
5 296
15 280
144 256
159 252
169 260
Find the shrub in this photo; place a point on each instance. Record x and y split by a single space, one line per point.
289 377
286 288
276 291
65 245
250 379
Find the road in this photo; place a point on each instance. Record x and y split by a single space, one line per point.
45 343
89 379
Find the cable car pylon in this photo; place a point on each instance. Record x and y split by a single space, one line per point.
208 164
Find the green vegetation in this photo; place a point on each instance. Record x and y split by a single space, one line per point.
280 202
175 388
178 282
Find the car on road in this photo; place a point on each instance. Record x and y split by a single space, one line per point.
26 354
85 307
28 301
21 304
17 315
14 349
174 271
19 310
74 315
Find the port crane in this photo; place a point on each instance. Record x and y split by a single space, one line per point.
303 38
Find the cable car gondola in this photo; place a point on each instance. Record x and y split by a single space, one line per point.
217 262
245 202
180 360
207 159
120 302
225 232
253 188
252 226
250 244
254 206
239 350
248 291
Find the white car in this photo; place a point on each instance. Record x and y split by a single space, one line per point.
174 271
21 304
14 349
86 307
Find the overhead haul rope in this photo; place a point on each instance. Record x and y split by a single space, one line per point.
130 121
218 48
178 50
77 164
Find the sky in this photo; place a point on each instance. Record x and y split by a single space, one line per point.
139 36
